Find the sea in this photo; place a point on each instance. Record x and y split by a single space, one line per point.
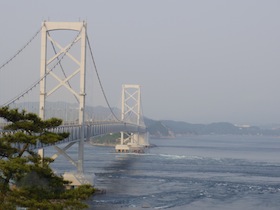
191 172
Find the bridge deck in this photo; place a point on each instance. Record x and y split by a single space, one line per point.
90 130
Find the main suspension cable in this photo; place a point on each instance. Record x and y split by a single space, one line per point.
99 80
22 94
20 50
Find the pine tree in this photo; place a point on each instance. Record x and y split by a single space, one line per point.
25 179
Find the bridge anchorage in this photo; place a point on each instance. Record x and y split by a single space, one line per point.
134 137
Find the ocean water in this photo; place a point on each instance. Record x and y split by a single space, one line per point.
194 173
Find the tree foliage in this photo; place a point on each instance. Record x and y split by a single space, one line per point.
25 179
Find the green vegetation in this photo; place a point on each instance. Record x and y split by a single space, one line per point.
109 139
25 179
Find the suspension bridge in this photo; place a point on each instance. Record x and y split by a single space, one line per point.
63 70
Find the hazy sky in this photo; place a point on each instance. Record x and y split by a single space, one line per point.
198 61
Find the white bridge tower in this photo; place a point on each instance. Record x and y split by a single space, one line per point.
131 113
47 65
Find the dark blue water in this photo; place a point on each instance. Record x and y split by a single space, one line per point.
200 172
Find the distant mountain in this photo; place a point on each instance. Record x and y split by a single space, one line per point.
169 128
158 129
162 128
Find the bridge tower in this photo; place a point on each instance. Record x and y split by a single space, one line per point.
131 113
46 71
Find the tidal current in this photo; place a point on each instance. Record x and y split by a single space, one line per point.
193 173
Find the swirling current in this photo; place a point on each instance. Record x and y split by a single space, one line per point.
194 172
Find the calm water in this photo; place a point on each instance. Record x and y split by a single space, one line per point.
194 173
